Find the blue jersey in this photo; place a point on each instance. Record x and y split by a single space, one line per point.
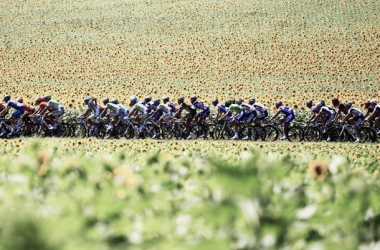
94 107
15 105
200 105
285 110
222 108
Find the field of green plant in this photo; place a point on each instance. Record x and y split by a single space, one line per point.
91 194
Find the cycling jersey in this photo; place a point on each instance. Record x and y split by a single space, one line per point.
377 108
235 108
355 112
259 107
286 110
54 104
28 108
149 106
328 110
15 105
165 108
248 108
315 109
172 106
222 108
94 107
123 109
113 107
200 105
140 108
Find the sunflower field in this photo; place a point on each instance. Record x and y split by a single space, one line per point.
86 194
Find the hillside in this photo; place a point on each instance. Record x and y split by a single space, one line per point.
289 50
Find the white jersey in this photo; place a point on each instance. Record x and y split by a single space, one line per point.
248 108
140 108
355 112
328 110
113 107
165 108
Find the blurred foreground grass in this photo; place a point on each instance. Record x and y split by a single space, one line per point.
90 194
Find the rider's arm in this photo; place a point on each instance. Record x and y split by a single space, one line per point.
313 116
86 112
367 114
104 112
347 117
178 113
5 111
218 114
224 116
154 113
316 117
277 113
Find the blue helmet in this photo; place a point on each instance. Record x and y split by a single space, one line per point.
373 102
278 104
252 101
47 98
348 105
239 101
106 100
309 103
215 102
115 101
166 98
156 102
87 100
322 103
147 99
7 98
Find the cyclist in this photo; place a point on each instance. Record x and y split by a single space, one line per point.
92 105
315 110
238 115
354 117
54 111
167 113
191 113
263 111
15 116
41 99
251 113
375 115
370 107
166 101
114 115
154 107
200 118
221 109
139 111
329 113
286 120
29 110
105 102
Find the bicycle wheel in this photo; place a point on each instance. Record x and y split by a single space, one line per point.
167 132
129 133
79 131
311 134
295 134
271 133
101 131
338 135
248 133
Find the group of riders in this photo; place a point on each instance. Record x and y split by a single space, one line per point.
160 111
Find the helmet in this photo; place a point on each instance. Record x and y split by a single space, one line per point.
341 106
87 100
20 100
7 98
180 100
133 99
147 99
156 102
278 104
252 101
215 102
228 103
193 99
106 100
348 105
115 101
47 98
232 101
373 102
309 103
322 103
239 101
318 106
165 98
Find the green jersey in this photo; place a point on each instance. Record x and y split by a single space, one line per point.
235 108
